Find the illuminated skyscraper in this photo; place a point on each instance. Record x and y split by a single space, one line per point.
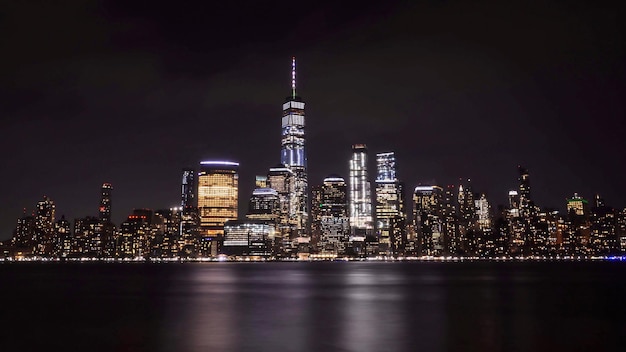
282 179
264 206
332 215
484 241
260 181
218 185
525 203
293 155
105 202
44 227
428 219
361 223
188 189
467 219
389 202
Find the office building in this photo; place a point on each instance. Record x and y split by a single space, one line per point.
360 198
389 202
332 216
428 219
293 155
218 186
105 202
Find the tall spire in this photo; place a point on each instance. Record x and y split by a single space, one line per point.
293 76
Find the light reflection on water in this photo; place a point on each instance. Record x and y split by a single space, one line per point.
316 306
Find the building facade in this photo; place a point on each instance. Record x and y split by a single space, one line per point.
389 204
293 155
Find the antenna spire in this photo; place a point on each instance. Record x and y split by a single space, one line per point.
293 76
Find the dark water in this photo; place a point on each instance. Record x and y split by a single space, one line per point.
356 306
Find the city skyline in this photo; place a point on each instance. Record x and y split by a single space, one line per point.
449 105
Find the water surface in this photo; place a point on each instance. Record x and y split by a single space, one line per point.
319 306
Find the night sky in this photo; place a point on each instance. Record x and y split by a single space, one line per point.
109 91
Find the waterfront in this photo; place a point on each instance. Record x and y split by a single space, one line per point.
314 306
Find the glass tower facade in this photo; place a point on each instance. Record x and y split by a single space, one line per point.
333 215
293 155
188 189
389 201
218 185
360 193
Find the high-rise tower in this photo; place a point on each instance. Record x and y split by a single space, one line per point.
188 189
218 185
293 155
389 202
105 202
361 223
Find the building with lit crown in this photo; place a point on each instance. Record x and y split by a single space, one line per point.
389 204
331 215
428 219
360 198
293 154
218 187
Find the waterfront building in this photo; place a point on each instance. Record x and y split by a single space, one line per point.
218 186
485 241
428 219
282 180
389 203
332 216
62 238
188 190
360 198
604 238
105 202
466 219
44 227
450 222
135 235
293 156
264 206
248 238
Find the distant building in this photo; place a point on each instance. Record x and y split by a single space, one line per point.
578 205
218 186
485 241
188 190
428 219
248 238
466 219
105 202
293 155
360 198
135 235
282 180
389 205
332 216
44 227
260 181
264 206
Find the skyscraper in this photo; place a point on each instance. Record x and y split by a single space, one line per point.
188 189
282 179
467 219
360 200
44 226
332 215
218 186
428 219
525 203
105 202
293 155
389 201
